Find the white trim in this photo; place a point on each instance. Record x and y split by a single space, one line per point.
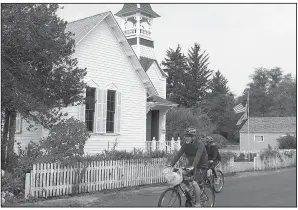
111 86
93 28
259 136
92 84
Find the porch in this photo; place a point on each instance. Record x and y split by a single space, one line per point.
157 109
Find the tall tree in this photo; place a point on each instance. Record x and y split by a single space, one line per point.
39 76
218 84
271 93
218 104
197 75
284 97
188 76
175 65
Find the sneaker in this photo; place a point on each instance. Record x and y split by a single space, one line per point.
198 205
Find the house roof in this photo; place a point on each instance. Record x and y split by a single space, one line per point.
129 9
270 125
81 28
147 62
160 100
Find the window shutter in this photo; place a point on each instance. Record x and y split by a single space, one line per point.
82 109
118 112
18 123
101 112
104 120
82 112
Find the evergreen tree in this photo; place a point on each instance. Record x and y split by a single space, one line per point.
175 65
197 75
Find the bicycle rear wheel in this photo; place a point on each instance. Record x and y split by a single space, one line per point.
170 198
207 196
220 182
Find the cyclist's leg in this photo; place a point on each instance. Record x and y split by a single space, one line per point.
214 164
199 177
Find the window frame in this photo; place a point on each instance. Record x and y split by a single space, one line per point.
258 135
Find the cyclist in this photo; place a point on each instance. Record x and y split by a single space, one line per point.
213 155
196 153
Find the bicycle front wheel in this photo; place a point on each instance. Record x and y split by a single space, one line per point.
207 196
170 198
219 183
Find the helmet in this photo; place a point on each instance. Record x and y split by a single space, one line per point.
209 139
190 132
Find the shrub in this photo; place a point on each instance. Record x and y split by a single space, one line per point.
220 140
270 152
178 119
287 142
65 140
226 156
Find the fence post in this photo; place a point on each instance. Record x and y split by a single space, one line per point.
172 144
27 185
153 145
178 143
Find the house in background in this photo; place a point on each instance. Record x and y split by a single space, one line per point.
264 131
126 95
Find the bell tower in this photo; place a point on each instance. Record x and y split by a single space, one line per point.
137 20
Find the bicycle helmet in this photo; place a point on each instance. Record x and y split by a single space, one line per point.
209 139
190 132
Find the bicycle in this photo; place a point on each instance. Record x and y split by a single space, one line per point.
207 192
218 184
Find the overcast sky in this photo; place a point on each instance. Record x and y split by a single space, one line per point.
237 37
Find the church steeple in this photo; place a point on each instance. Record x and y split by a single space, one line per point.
137 27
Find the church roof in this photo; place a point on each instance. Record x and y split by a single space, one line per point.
129 9
147 62
160 100
81 27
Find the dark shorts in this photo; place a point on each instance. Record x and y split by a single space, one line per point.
200 175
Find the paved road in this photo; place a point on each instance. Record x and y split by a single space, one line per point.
248 189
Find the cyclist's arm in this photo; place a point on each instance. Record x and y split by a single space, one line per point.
198 155
178 155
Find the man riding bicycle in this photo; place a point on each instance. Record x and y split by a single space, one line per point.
213 155
196 153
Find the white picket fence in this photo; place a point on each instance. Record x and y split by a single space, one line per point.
53 179
275 162
49 180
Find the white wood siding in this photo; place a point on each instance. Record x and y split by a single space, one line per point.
26 136
106 63
158 80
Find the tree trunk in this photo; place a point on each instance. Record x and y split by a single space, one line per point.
4 139
10 143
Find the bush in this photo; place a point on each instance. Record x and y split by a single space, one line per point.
64 144
287 142
220 140
226 156
270 152
178 119
65 140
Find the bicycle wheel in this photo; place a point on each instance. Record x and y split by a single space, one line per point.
170 198
220 182
207 196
